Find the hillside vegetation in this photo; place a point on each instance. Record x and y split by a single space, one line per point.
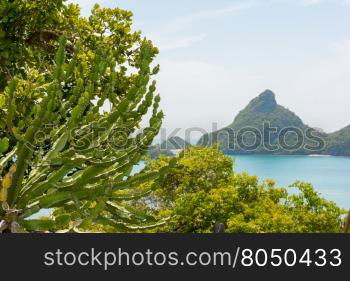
268 128
202 191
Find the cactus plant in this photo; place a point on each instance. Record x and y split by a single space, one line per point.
71 155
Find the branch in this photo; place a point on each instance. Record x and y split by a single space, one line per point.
42 39
347 225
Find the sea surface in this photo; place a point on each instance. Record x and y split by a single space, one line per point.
329 175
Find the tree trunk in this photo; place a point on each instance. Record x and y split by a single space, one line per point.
347 224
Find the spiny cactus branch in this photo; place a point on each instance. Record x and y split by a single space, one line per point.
72 157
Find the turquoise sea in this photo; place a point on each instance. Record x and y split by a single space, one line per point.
329 175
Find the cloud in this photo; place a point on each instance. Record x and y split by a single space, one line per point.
228 10
310 2
185 21
199 94
196 93
320 92
307 3
315 2
171 35
166 43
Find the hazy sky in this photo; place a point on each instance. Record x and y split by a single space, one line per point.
217 55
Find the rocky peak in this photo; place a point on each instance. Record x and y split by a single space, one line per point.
265 102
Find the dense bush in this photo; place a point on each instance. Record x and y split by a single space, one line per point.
203 190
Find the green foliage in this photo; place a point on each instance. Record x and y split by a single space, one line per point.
32 30
202 190
198 168
63 149
4 145
29 32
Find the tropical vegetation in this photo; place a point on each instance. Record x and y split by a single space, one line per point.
61 149
202 191
74 92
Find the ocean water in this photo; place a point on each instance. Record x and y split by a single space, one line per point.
330 176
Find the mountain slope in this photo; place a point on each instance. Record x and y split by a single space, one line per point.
339 143
174 143
167 147
263 126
